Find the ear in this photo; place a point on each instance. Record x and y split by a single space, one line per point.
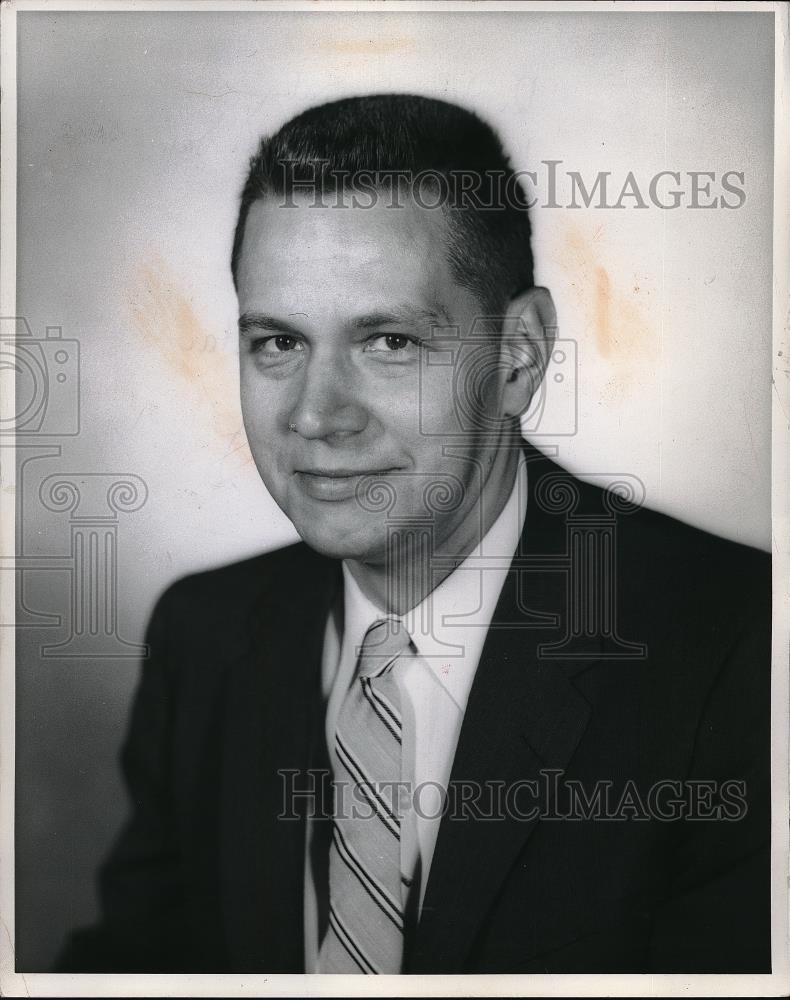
528 334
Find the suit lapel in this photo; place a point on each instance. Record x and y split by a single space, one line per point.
273 712
524 717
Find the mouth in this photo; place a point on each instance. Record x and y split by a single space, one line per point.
342 473
334 484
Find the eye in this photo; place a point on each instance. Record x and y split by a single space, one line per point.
391 343
280 343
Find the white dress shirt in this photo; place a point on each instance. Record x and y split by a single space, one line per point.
448 630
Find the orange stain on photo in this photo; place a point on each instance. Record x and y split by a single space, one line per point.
603 297
164 317
614 307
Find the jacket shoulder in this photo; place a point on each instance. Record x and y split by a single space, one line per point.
682 585
245 578
688 559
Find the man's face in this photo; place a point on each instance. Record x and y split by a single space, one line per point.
337 381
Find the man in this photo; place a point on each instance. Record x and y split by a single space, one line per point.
544 709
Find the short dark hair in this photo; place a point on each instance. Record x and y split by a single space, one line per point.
399 135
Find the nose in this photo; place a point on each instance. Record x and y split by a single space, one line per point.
328 403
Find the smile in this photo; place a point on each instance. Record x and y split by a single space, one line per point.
334 484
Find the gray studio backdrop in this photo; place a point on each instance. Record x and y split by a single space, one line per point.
134 133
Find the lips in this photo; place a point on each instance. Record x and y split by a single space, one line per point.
333 484
342 473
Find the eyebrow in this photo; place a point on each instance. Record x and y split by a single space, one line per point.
260 321
400 314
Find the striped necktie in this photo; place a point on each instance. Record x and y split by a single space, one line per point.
365 933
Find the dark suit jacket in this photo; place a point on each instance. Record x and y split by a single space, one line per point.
206 878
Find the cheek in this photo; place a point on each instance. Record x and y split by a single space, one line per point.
435 413
261 403
392 408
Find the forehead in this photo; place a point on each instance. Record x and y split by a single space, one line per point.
343 259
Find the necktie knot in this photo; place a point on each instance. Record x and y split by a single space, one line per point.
384 642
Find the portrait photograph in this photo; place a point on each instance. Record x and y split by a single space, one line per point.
395 498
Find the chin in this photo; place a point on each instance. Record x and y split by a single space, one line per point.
331 541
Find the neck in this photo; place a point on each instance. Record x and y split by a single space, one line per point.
408 573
